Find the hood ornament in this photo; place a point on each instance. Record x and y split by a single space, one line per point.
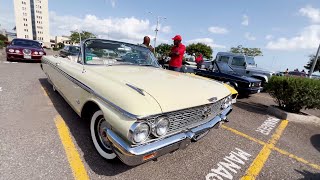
140 91
213 99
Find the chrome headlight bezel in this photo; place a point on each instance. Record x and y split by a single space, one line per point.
157 125
134 130
226 102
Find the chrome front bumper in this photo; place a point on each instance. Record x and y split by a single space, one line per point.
136 155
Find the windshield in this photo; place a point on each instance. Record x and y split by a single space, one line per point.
25 43
106 52
250 61
224 67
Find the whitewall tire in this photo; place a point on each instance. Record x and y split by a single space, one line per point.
98 123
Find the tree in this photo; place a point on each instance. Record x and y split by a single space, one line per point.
204 49
163 49
74 37
60 45
309 64
3 38
247 51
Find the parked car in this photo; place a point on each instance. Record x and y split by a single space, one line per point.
69 51
138 110
24 49
245 65
297 74
223 72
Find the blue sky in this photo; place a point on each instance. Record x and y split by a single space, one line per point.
287 31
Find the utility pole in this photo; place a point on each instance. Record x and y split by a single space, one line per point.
314 62
156 30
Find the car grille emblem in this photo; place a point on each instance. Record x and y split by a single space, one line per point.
26 51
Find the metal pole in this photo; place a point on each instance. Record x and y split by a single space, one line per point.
155 38
79 37
314 62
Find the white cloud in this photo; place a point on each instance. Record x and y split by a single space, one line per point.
308 38
128 29
207 41
245 20
218 30
269 37
312 13
249 37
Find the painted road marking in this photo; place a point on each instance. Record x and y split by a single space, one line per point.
231 163
267 126
77 166
283 152
257 164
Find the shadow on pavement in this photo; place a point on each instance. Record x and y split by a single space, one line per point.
252 107
315 141
81 132
308 174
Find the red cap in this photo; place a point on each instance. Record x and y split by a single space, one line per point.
177 37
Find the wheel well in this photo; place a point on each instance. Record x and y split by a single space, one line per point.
88 109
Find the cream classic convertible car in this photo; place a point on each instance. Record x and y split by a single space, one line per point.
138 110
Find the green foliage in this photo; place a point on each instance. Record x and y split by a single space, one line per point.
3 38
74 37
311 59
247 51
1 44
294 93
204 49
60 45
163 49
56 49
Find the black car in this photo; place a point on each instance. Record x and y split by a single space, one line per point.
69 51
223 72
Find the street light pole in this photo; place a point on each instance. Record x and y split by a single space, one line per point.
314 62
156 30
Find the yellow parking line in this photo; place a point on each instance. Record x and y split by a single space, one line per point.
243 135
77 167
296 158
257 164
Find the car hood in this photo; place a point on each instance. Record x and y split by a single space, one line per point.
241 77
171 90
22 47
259 70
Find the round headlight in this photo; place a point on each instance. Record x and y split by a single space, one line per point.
41 53
140 132
249 84
35 52
161 127
11 50
227 102
17 51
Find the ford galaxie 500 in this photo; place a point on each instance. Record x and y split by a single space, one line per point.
138 110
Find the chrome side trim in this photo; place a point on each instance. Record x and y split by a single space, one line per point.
90 90
134 155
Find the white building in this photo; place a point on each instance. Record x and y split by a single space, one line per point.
32 20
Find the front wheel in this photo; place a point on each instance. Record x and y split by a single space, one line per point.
99 136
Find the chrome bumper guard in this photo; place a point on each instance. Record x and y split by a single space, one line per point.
133 156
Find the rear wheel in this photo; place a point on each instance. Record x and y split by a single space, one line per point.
99 136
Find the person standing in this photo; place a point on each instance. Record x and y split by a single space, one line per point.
146 43
176 54
199 61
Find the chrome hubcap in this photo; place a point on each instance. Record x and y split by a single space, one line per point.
102 125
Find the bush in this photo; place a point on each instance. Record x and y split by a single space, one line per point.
2 44
293 93
56 49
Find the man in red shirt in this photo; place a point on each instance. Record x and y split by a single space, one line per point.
177 52
199 61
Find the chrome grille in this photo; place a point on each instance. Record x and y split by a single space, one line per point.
191 117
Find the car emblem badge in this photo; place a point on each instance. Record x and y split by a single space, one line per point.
213 99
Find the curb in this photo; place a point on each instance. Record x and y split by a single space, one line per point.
299 118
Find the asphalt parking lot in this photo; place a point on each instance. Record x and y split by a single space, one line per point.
42 138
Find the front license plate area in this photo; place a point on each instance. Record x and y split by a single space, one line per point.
27 56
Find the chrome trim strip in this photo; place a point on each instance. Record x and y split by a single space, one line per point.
140 91
134 155
88 89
